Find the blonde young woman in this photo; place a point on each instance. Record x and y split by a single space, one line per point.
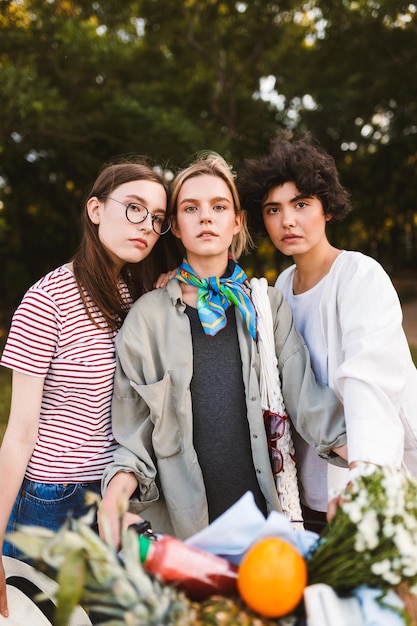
61 350
186 407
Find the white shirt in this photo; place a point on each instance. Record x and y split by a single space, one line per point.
369 361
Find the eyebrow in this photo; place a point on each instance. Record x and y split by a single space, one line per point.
217 199
142 201
300 196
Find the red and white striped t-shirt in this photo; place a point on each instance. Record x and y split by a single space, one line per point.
52 336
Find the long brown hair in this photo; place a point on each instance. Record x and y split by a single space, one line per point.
96 276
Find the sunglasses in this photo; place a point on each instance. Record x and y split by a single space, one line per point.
275 429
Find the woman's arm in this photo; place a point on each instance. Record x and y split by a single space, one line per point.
370 364
163 279
112 512
133 469
16 450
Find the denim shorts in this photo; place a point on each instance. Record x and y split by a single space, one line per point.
48 505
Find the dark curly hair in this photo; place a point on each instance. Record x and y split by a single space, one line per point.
302 162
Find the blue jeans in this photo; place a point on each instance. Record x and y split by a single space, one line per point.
48 505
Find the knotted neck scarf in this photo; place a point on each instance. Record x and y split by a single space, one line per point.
216 293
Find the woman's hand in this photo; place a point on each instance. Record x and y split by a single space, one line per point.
109 522
163 279
109 518
356 468
112 514
129 519
342 451
332 507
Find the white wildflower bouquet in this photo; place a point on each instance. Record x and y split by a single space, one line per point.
372 540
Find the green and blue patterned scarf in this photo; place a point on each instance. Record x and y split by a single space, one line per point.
215 294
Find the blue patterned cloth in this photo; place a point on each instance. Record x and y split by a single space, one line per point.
215 294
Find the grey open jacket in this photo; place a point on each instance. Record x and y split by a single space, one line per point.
152 408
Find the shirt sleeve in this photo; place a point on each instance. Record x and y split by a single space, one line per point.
372 370
131 419
33 335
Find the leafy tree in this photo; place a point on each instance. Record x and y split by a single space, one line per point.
72 100
84 80
359 69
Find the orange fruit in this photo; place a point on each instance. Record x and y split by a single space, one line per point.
271 577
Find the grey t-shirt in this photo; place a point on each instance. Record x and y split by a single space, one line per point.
221 432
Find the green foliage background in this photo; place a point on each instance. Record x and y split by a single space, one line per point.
85 80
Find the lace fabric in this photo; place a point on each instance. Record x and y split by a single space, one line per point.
276 420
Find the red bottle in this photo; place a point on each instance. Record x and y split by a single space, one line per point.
200 574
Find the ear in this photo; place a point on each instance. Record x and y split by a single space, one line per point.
174 228
93 209
329 217
238 223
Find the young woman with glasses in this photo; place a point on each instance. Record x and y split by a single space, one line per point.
61 350
186 408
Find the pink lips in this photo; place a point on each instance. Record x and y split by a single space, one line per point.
140 243
290 238
207 233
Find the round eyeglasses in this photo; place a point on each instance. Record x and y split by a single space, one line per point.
137 213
